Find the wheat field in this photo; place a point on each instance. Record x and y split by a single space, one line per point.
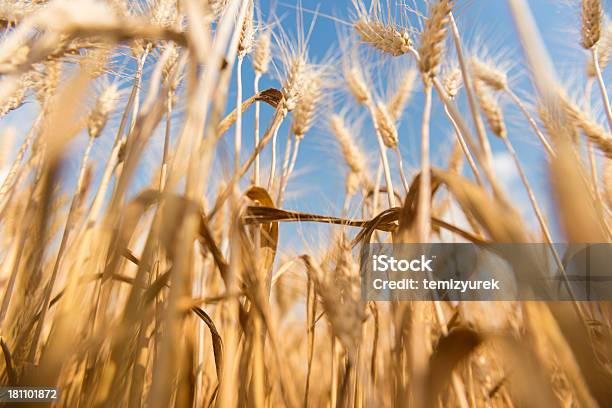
127 281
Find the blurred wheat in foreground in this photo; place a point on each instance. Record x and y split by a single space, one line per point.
179 293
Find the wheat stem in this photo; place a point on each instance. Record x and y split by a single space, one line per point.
531 121
467 80
400 166
383 158
10 181
285 167
540 216
424 200
112 161
238 134
465 130
596 188
464 148
64 241
273 160
257 113
164 167
294 155
602 86
279 116
376 193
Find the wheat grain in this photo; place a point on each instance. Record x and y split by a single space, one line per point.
17 96
452 82
46 82
386 126
604 48
164 13
591 23
401 97
305 110
491 109
356 85
352 154
491 76
169 67
590 128
387 38
456 159
433 36
247 32
262 54
217 6
294 82
103 107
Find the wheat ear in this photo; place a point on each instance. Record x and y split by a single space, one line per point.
387 38
591 129
604 47
433 36
591 23
400 98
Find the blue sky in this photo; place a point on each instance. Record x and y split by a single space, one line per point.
318 182
485 25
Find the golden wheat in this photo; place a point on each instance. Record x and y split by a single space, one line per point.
151 274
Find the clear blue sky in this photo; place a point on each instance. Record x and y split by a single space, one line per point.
485 24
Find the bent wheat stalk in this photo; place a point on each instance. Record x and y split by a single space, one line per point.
467 80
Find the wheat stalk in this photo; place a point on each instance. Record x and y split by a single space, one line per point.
103 107
261 62
607 182
452 83
163 296
484 156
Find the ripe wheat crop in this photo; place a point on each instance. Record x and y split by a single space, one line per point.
177 291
